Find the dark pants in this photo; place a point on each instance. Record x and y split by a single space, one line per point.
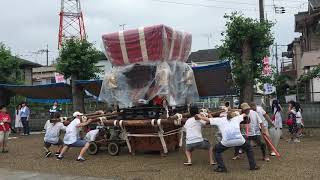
262 145
25 124
246 148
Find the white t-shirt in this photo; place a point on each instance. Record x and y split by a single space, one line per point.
230 130
254 126
72 132
91 135
299 117
53 132
193 130
261 112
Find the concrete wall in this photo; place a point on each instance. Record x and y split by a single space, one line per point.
27 74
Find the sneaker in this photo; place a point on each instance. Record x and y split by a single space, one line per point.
220 170
81 159
57 154
266 159
187 163
48 154
255 168
296 141
59 157
273 154
236 157
240 151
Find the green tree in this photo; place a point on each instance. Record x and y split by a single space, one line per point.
9 71
246 42
9 66
77 61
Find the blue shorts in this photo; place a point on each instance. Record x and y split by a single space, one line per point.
78 143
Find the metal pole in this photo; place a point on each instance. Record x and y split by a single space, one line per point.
47 53
261 10
277 58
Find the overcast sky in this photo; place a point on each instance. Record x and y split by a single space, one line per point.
28 25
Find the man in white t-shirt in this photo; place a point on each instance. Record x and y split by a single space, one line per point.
231 137
72 137
266 120
253 131
52 136
194 139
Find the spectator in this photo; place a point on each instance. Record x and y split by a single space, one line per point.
5 128
55 108
276 131
231 137
25 117
292 122
194 139
299 119
72 137
17 123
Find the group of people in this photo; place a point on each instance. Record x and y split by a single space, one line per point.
240 131
22 116
71 138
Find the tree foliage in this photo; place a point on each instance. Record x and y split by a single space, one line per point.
9 66
314 73
78 58
258 35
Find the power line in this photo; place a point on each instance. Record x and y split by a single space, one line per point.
201 5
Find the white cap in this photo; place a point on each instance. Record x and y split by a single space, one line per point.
77 113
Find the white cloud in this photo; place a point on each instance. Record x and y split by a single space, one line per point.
27 26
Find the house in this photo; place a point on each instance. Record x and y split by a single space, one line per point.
26 70
305 51
47 74
204 57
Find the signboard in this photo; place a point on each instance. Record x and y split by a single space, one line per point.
59 78
292 97
267 71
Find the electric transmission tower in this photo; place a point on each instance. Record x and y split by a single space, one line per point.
71 21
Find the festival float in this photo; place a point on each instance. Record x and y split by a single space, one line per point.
149 82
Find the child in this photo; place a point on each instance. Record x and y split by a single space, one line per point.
299 119
194 139
292 122
5 127
52 136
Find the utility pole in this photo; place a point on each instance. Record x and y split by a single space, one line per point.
122 25
45 51
277 58
261 10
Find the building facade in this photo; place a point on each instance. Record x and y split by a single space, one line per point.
305 52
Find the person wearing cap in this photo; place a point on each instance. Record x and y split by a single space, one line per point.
231 137
72 137
253 129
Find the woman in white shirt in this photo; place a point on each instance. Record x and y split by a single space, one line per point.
276 130
17 123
